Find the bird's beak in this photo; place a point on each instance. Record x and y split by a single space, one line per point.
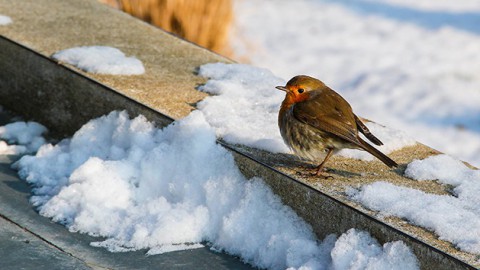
283 88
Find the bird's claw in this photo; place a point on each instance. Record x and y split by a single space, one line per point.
323 176
315 174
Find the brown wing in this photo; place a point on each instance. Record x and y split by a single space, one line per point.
364 129
329 112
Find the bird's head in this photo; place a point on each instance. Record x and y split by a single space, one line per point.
299 88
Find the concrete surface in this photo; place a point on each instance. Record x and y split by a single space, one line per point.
22 250
64 98
48 26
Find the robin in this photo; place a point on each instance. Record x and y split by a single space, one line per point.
316 122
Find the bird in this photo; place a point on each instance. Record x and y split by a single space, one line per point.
316 122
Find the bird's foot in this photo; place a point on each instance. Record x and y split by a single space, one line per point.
315 173
321 174
305 171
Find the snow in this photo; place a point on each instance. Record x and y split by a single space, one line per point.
357 250
443 168
244 107
410 65
4 20
454 218
100 59
171 248
21 138
157 189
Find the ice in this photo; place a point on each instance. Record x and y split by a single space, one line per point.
410 65
22 137
175 188
101 59
4 20
455 218
244 107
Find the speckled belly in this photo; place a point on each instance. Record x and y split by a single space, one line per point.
304 140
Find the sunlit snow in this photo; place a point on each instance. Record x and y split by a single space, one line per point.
101 59
455 217
244 107
21 138
4 20
410 65
176 188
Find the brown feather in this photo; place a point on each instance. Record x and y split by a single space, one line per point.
365 131
335 115
375 152
315 120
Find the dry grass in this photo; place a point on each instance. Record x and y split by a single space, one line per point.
204 22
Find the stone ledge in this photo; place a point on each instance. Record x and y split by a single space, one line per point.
49 26
64 99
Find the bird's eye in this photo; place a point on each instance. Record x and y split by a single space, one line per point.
301 90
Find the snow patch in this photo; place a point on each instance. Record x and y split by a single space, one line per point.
4 20
454 218
100 59
244 106
146 188
358 250
21 138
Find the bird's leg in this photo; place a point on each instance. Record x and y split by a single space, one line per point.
320 167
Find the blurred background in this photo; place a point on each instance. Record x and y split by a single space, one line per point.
412 65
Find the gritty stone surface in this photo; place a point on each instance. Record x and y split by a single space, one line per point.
48 26
349 173
169 86
21 250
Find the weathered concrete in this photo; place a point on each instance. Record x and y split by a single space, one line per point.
22 250
54 95
169 87
48 26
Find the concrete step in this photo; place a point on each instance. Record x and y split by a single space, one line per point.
64 98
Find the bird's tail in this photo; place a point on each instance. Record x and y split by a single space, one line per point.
364 129
372 150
